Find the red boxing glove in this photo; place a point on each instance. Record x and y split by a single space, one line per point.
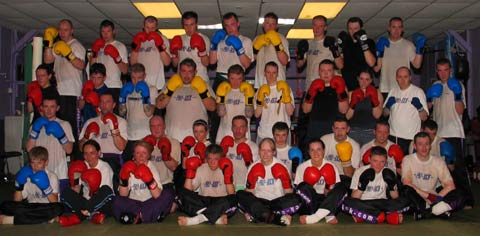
175 45
366 157
226 166
357 96
317 85
244 150
328 173
187 144
165 148
280 172
372 93
338 84
396 152
145 174
112 121
191 165
113 52
92 98
311 175
97 46
87 88
199 150
127 169
34 93
92 130
92 177
257 171
196 41
138 39
151 140
75 172
226 143
158 40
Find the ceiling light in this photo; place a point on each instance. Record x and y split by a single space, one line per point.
281 21
327 9
300 34
215 26
170 33
158 9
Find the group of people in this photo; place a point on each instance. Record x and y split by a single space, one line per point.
151 146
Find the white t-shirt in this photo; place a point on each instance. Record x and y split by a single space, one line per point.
331 154
282 155
188 52
209 183
113 78
227 55
107 177
239 168
316 54
138 189
444 113
34 195
267 54
390 160
137 122
268 188
320 185
149 56
400 53
166 175
376 189
234 105
105 138
69 78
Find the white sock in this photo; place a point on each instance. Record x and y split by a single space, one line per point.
317 216
196 219
440 208
219 221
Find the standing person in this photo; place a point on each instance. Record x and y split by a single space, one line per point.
357 49
270 47
314 51
192 44
68 56
38 89
151 49
39 187
407 108
91 91
396 52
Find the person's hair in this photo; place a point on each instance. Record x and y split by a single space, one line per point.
316 140
190 14
320 17
444 61
430 124
365 70
188 62
404 68
379 151
281 126
229 15
421 135
271 15
214 149
341 119
326 62
107 23
240 117
151 19
93 143
144 144
138 68
268 140
108 92
157 117
200 122
382 122
395 18
38 153
236 69
355 19
51 97
66 21
45 67
271 63
98 68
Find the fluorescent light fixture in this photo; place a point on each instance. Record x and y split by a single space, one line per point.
158 9
281 21
327 9
215 26
170 33
300 34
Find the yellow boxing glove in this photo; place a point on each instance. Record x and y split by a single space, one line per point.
49 36
200 86
282 86
62 48
275 39
263 91
222 90
248 91
173 84
345 150
259 43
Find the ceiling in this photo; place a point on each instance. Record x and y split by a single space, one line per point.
430 17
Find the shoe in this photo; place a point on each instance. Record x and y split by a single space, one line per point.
393 218
281 220
130 219
440 208
357 219
70 220
381 218
98 218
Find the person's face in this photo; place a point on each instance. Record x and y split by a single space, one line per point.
377 162
280 137
97 79
269 24
422 145
353 27
212 160
137 77
271 74
231 26
431 132
326 72
50 108
319 27
38 164
364 80
395 28
266 152
403 78
443 72
200 133
91 155
235 80
316 152
340 131
107 33
187 73
106 104
65 31
150 26
190 26
239 129
43 78
141 155
381 133
157 127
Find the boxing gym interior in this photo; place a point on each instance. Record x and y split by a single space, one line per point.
451 28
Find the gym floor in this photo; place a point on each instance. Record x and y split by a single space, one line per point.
466 222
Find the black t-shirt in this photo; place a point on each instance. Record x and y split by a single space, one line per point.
325 106
354 61
363 118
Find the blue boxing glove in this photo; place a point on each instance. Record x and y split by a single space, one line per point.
21 177
416 103
296 155
390 102
41 180
446 150
142 88
236 43
419 41
456 88
217 37
39 123
434 91
54 128
125 91
382 43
